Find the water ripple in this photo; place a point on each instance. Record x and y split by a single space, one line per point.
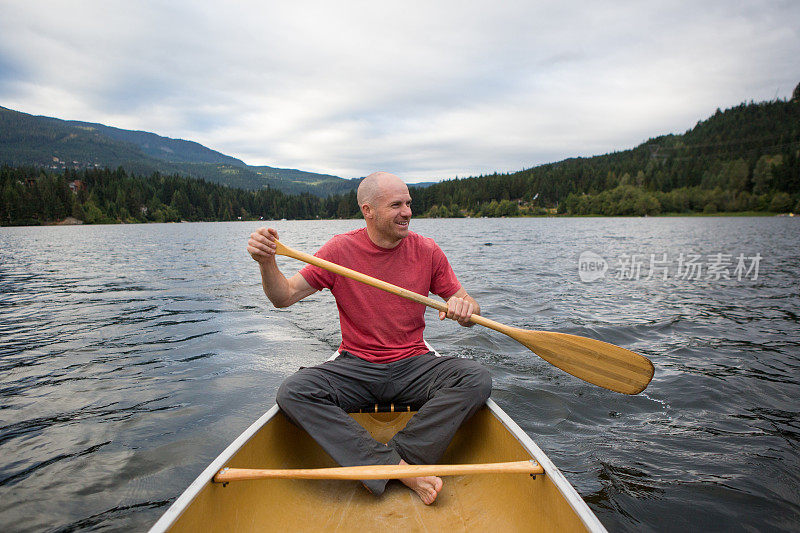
133 367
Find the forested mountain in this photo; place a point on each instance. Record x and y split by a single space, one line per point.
58 144
741 159
744 159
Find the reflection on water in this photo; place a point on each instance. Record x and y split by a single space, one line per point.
130 356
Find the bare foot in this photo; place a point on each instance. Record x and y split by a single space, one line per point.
427 488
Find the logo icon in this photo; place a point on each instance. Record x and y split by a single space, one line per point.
591 267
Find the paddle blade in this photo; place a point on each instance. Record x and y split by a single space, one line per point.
597 362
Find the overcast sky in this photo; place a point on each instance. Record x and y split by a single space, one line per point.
427 90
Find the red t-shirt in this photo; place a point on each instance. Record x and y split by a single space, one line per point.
376 325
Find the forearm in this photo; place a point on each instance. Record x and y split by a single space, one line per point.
282 292
275 284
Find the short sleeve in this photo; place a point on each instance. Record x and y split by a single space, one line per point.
443 280
317 277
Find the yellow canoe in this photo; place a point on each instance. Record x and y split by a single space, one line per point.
481 502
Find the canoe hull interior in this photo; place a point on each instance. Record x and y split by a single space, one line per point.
507 502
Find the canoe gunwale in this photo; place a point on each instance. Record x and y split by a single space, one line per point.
590 521
574 499
207 475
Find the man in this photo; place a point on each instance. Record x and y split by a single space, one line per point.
383 358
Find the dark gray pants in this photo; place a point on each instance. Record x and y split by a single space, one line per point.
448 390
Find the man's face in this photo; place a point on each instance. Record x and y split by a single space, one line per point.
393 212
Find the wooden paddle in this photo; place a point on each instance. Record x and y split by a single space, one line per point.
597 362
379 471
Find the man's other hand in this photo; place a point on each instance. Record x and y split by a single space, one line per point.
261 244
460 310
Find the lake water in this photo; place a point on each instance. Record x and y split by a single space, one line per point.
130 356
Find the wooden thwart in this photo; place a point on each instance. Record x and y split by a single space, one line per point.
379 471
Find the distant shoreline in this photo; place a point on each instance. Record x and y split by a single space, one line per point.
71 221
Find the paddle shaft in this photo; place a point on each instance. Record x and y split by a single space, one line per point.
282 249
591 360
379 471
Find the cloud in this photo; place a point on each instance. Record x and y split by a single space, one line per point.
429 90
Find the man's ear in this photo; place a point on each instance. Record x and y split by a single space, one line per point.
366 210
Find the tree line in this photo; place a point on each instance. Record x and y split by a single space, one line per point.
745 159
31 196
741 159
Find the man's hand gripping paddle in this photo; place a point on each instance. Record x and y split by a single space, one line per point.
596 362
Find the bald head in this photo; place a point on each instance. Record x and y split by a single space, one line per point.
386 205
376 185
